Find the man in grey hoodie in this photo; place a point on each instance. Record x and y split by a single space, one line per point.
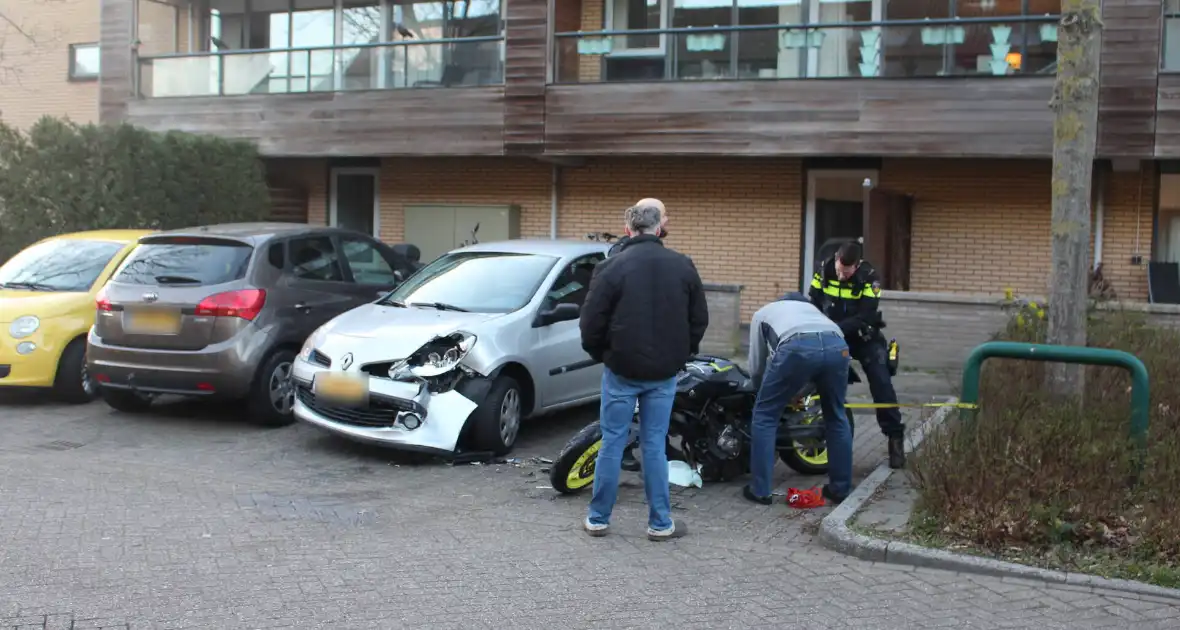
793 343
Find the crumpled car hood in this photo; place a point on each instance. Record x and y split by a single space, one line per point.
384 333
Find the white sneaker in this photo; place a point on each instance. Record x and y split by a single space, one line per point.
594 529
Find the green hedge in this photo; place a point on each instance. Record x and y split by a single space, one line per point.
61 177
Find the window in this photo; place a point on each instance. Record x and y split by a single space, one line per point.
315 258
186 261
1170 48
61 265
277 256
83 62
482 282
366 262
827 38
573 284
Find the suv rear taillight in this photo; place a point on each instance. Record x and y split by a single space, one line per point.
245 304
101 301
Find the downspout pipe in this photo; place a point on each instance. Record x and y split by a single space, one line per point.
1099 214
553 195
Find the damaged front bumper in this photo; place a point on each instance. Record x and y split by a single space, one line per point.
397 414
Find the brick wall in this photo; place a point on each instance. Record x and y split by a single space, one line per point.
34 70
982 226
740 219
938 331
477 181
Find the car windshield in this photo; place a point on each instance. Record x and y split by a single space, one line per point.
64 265
480 282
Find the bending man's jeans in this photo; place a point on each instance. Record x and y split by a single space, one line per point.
618 407
821 358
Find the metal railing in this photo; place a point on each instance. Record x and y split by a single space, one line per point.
456 62
1077 355
992 46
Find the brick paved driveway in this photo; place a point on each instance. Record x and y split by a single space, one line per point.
186 519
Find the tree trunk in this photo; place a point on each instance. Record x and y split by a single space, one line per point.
1075 131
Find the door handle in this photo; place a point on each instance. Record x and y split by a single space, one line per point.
302 307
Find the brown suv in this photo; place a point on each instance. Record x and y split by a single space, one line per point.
221 311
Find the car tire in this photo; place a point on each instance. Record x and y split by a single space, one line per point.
72 383
272 397
495 423
126 401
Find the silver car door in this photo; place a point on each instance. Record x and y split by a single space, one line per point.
558 346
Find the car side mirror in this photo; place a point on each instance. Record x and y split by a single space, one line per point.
560 313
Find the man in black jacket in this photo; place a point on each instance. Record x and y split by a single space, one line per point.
848 290
644 315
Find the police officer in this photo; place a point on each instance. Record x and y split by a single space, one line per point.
848 290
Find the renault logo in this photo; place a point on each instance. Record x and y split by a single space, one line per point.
151 297
346 361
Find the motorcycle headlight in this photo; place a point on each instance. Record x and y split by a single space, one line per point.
438 356
24 326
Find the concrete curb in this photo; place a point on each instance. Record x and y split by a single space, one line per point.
835 534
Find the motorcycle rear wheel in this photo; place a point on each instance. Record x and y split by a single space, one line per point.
810 458
573 471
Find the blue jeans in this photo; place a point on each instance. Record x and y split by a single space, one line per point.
821 358
618 408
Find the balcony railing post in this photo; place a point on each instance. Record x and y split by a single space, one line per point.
221 75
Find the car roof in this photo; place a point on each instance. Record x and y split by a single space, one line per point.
560 248
256 231
116 236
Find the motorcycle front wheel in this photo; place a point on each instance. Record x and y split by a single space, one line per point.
574 469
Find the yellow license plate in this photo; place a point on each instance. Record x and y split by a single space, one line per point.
341 389
153 322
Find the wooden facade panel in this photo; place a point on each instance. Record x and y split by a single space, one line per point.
1167 126
444 121
526 34
1127 87
116 86
933 117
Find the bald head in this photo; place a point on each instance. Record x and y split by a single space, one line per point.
652 202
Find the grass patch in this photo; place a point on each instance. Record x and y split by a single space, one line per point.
1045 482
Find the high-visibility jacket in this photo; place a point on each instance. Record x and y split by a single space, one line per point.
854 303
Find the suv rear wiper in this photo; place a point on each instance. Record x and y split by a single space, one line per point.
31 286
176 280
442 306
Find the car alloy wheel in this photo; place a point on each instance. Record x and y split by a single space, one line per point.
510 416
88 384
281 388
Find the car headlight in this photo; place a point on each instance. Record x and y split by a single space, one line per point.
313 340
24 326
437 356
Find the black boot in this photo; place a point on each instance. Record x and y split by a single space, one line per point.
897 452
630 464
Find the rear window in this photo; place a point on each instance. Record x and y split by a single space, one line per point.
186 263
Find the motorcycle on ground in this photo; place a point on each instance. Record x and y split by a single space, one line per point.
711 419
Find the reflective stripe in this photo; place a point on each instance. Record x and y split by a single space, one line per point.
841 292
834 289
815 282
871 292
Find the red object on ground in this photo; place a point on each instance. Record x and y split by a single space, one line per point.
805 499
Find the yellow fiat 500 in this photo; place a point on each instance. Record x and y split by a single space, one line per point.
47 294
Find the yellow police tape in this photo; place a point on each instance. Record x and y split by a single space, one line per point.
957 405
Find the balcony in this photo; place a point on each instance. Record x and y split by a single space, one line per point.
948 87
318 78
975 47
465 62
